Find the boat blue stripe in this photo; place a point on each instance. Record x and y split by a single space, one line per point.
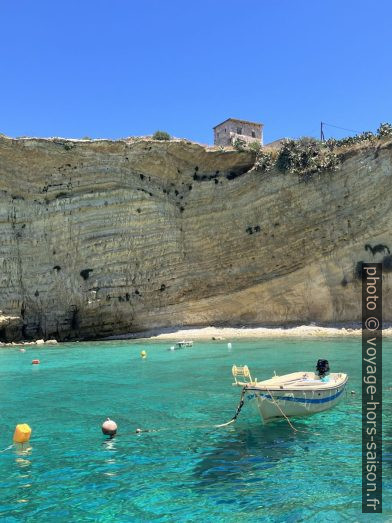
300 400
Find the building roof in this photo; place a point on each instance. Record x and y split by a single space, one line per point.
275 143
239 121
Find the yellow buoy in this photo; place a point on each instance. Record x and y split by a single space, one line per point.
22 433
143 354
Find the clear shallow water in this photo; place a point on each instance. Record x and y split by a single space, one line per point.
186 471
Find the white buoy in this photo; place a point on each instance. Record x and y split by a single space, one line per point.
172 347
229 345
109 427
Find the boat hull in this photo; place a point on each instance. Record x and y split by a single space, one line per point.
274 404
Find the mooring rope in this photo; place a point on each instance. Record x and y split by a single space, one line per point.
8 448
240 405
235 417
287 419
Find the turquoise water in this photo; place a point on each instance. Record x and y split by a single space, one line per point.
186 470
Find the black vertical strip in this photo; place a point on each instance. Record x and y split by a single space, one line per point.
372 388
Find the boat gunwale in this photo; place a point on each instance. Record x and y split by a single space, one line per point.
310 389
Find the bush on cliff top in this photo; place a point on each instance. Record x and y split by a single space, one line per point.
161 135
239 144
264 161
384 131
305 157
333 143
254 146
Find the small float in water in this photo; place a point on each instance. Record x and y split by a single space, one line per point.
295 394
182 345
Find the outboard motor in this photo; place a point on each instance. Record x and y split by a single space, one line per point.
322 368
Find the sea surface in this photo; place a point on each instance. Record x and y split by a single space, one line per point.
183 469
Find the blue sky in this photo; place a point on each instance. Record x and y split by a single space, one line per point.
124 67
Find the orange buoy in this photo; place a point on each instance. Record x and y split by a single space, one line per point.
35 362
22 433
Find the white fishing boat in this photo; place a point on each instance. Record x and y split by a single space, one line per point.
296 394
182 345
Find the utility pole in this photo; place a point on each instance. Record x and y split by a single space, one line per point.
322 137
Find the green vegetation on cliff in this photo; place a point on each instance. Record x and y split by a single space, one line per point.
308 156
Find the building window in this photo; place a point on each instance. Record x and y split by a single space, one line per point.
253 134
239 130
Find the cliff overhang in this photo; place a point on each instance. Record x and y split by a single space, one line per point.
106 237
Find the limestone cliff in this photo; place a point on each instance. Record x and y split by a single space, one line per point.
106 237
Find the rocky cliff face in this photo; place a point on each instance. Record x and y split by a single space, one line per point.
107 237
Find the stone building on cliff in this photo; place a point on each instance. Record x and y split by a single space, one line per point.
231 129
